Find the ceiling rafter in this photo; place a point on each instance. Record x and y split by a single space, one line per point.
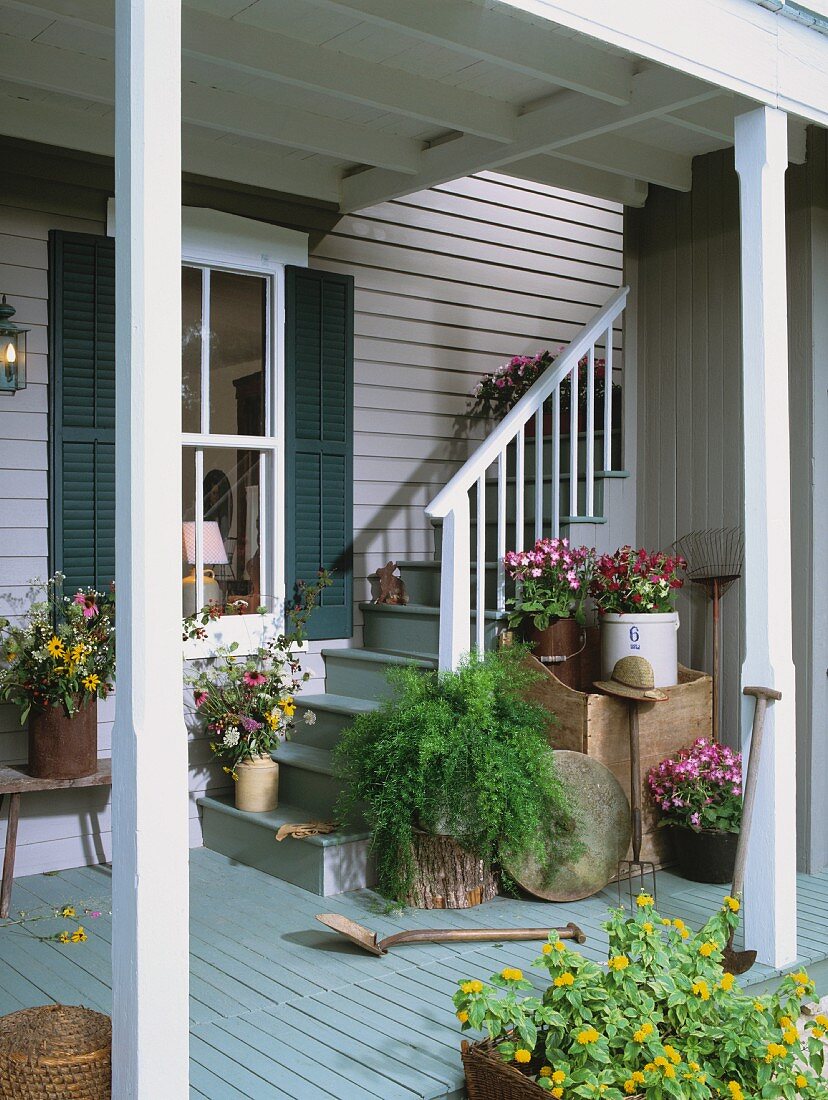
623 156
535 50
88 133
273 56
568 118
573 177
58 70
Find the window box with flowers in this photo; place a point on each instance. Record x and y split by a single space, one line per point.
634 592
56 665
551 584
699 796
660 1020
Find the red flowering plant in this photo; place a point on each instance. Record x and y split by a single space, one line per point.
701 788
62 654
634 581
247 704
496 393
552 581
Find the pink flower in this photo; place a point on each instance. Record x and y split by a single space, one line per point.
199 698
87 602
254 679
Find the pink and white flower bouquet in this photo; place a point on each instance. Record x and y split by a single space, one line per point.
496 393
636 581
552 581
700 789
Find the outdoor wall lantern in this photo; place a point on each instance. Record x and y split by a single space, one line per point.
12 351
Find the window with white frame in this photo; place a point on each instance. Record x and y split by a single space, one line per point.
230 442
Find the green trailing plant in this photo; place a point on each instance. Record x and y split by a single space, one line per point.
463 753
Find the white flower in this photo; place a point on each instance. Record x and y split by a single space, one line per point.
310 717
231 737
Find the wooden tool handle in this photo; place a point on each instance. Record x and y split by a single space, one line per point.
459 935
635 783
762 693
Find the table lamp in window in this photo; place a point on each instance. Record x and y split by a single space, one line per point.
214 553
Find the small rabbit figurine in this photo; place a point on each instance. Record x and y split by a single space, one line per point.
391 588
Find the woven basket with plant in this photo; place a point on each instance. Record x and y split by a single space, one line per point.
660 1020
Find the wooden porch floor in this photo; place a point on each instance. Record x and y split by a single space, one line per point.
282 1008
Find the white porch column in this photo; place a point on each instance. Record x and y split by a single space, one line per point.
149 795
770 885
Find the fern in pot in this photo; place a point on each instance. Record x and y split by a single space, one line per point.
461 753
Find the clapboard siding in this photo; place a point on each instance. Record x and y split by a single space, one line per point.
448 283
685 248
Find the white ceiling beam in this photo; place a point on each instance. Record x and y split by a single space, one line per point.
85 77
569 118
585 181
624 157
497 36
89 133
264 53
713 119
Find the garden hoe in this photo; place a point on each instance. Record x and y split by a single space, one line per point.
365 938
738 962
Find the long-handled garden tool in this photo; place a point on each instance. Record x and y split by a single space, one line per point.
365 938
738 962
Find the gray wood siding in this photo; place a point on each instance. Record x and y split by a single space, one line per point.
685 249
448 284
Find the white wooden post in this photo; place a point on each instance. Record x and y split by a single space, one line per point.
770 885
455 585
149 795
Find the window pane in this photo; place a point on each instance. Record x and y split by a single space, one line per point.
191 349
237 353
233 487
190 596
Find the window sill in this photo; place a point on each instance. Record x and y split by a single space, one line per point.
250 632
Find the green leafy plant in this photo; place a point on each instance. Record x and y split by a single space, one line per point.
660 1019
464 749
63 654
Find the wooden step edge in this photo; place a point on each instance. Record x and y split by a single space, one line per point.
285 814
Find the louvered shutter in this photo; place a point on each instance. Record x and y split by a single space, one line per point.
319 387
82 367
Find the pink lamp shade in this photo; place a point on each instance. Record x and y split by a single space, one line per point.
213 543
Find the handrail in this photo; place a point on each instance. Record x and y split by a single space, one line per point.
526 407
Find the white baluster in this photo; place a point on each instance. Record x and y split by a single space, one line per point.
590 433
480 578
573 440
539 473
556 462
501 531
520 474
455 585
608 403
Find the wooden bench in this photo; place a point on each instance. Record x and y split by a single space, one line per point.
14 782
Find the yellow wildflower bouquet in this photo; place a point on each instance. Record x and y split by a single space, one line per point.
660 1019
62 651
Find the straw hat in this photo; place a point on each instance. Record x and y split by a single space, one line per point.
632 678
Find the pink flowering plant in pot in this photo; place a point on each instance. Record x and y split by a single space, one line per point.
635 581
551 582
496 393
699 796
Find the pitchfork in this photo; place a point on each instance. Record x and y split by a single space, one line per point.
636 870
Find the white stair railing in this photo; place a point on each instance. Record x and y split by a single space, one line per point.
453 506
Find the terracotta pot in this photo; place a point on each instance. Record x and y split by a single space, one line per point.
62 747
706 855
257 788
562 638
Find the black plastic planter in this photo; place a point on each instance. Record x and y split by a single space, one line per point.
705 856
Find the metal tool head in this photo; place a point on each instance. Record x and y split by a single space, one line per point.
737 962
357 933
640 877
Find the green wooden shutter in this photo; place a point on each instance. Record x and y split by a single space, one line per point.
319 402
82 389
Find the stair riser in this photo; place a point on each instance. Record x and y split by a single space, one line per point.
529 500
324 733
409 633
528 535
323 871
358 679
312 790
423 586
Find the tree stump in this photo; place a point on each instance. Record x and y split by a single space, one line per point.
448 877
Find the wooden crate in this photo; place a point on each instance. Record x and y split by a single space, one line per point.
599 726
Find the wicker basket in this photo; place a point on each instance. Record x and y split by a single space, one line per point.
488 1077
55 1052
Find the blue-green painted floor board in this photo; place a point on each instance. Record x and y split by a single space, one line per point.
282 1009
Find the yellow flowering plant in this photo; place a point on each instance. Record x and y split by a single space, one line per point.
659 1020
61 652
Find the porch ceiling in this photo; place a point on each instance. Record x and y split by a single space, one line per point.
359 101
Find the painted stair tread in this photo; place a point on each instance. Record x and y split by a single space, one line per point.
378 657
425 610
336 704
284 814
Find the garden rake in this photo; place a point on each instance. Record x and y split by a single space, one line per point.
714 561
369 941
